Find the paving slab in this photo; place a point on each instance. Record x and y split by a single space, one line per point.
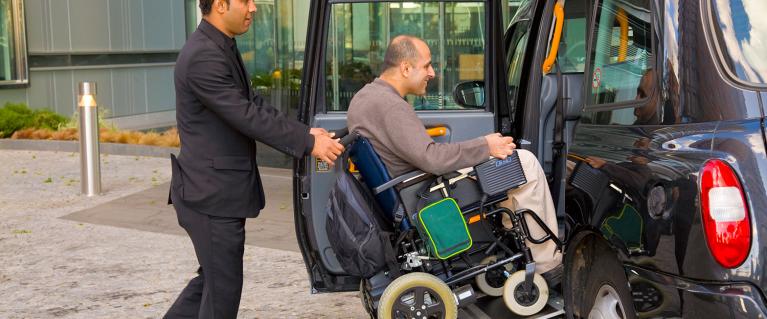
148 210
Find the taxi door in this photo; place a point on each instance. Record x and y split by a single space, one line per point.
345 49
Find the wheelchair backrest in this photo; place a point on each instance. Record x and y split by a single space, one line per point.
374 174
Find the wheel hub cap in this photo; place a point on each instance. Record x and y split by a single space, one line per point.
607 305
524 297
420 303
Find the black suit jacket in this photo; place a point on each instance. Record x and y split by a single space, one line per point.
218 117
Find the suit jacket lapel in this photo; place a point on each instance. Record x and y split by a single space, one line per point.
245 80
240 69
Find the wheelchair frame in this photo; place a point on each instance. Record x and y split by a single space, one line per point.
410 255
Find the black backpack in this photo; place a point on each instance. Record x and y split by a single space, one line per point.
359 235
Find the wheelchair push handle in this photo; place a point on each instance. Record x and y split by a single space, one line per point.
346 137
340 133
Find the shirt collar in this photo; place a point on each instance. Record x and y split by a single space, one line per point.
220 38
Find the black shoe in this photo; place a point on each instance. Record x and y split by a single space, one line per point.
553 277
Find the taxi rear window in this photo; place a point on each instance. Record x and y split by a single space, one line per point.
741 30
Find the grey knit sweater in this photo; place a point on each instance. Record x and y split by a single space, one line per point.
379 113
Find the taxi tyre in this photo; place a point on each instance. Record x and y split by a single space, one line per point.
606 289
421 282
492 288
525 307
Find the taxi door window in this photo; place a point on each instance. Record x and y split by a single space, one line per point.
360 32
622 78
622 51
515 59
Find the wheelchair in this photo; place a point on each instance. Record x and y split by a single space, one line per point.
424 284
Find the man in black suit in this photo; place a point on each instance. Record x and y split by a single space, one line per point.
215 183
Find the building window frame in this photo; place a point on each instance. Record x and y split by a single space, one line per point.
18 64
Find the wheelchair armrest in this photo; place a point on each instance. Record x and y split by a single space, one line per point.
400 179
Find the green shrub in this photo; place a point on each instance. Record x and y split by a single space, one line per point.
14 117
261 80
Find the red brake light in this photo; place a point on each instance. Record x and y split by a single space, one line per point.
725 214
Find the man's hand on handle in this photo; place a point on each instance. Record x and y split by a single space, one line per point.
500 146
326 147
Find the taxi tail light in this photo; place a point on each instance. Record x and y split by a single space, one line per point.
725 214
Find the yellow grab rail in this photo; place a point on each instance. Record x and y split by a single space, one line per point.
623 22
436 131
559 14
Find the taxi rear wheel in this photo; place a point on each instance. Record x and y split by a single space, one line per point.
607 294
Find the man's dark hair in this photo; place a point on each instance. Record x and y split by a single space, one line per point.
401 48
207 5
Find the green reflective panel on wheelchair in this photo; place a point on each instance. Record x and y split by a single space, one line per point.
444 228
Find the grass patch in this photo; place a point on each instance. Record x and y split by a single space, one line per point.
18 121
17 116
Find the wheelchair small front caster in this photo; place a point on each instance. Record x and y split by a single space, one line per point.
491 282
521 302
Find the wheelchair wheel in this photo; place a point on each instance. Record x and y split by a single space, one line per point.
521 302
491 282
417 295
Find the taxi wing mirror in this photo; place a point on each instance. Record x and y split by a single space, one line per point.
470 94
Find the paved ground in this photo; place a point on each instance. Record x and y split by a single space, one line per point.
123 255
66 255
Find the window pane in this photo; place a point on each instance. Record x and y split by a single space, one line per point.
360 32
511 9
622 51
742 34
515 60
13 67
572 48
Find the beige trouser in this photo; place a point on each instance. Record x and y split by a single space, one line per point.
535 196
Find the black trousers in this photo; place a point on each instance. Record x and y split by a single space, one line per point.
219 243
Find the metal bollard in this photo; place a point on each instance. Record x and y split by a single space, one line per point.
90 162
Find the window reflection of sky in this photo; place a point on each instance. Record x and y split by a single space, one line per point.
744 35
672 34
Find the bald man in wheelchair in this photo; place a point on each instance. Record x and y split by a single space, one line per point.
380 113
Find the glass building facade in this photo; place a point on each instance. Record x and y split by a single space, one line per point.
48 46
13 47
273 49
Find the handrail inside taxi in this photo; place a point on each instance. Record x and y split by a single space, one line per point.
559 15
623 22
